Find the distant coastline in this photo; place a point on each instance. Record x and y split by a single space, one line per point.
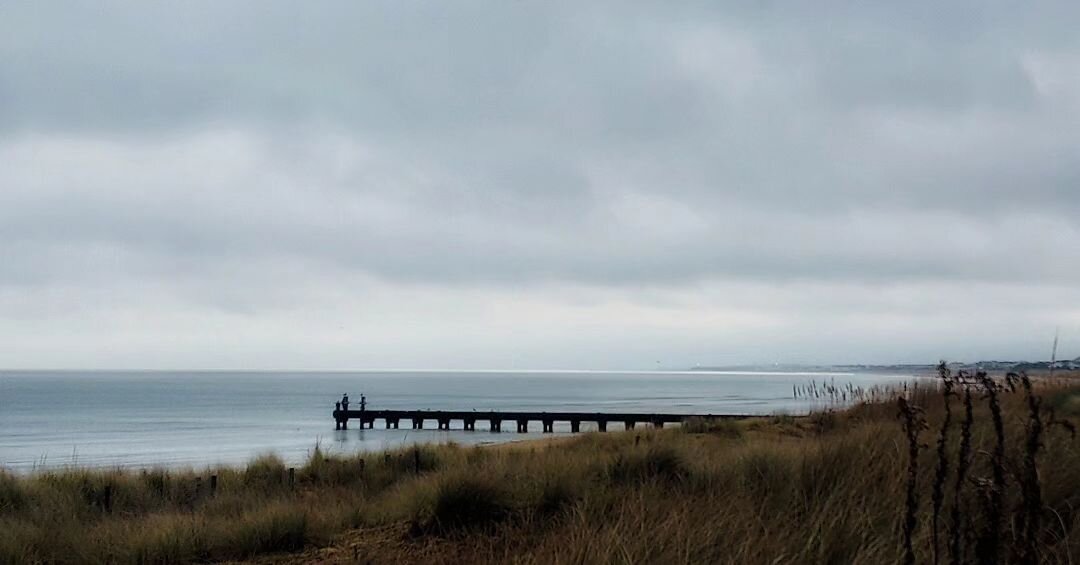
901 368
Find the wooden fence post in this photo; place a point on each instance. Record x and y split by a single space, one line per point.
106 501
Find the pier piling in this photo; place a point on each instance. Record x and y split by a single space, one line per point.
444 418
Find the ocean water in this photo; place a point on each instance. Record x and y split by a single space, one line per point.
198 419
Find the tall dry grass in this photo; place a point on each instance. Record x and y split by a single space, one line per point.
826 489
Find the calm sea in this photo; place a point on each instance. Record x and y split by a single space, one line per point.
182 419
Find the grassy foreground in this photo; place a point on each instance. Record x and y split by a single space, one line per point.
836 487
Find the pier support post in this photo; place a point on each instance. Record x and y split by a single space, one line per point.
495 419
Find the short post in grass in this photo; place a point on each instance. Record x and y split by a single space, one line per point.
213 485
292 478
106 499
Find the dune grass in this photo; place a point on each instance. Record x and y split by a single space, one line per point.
828 489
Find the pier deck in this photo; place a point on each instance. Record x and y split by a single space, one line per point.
443 418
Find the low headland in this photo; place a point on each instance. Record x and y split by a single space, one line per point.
971 468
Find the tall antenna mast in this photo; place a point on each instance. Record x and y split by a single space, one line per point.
1053 352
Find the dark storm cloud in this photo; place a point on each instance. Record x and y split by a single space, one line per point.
525 146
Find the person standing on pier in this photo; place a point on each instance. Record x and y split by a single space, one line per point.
345 401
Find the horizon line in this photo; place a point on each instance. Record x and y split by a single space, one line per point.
815 370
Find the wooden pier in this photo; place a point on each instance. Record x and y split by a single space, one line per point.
443 419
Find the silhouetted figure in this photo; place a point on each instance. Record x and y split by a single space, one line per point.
345 401
337 406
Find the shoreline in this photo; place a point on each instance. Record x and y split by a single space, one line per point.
532 442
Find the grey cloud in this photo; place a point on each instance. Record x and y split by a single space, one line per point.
525 146
787 107
401 228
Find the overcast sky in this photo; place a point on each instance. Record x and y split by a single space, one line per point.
536 184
